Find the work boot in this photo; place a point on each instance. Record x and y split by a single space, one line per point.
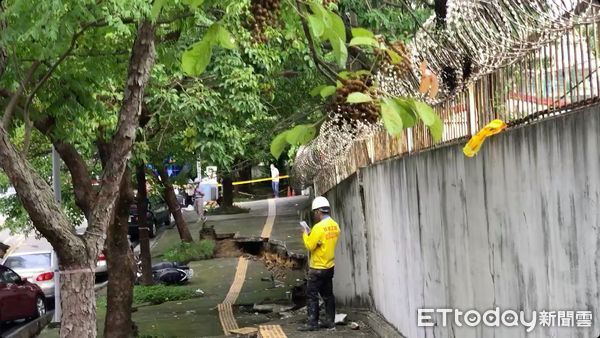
308 327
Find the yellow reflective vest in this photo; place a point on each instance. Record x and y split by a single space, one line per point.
321 243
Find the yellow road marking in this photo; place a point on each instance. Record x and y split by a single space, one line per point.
227 319
225 309
268 228
271 331
238 281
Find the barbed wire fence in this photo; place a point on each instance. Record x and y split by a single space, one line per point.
472 39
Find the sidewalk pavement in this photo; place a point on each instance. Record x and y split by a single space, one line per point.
287 228
199 317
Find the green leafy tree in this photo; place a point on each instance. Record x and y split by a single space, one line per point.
51 73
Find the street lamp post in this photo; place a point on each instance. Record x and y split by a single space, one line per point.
57 196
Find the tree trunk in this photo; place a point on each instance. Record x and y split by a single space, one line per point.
78 299
77 254
174 208
227 191
144 237
119 258
246 175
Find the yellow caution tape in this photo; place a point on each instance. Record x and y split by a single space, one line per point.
256 180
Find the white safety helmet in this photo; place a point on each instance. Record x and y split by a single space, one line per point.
320 202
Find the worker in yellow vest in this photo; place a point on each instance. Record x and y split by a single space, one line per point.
320 241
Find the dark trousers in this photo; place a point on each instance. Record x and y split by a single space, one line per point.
320 282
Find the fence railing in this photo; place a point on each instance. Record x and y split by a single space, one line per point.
554 79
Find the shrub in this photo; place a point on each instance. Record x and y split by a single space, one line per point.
158 294
186 252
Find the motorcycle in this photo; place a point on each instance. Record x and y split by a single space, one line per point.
167 273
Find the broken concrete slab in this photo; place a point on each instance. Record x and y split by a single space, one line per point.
266 308
245 330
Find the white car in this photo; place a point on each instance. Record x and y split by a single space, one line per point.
36 261
36 266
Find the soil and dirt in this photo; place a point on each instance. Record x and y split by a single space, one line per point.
273 254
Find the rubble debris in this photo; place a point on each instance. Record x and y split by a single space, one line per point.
286 315
340 318
299 295
267 308
273 253
227 248
244 330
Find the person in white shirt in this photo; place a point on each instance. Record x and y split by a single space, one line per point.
199 202
275 180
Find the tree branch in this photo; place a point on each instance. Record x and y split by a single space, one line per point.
140 65
38 199
51 70
12 104
28 126
180 16
80 175
322 67
3 55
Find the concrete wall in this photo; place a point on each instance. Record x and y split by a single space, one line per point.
516 227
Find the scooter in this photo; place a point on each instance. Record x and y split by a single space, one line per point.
167 273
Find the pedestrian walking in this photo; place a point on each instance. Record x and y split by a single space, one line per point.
189 194
320 241
199 202
275 180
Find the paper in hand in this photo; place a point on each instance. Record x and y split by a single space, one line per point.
305 227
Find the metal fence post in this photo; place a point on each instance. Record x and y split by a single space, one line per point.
472 117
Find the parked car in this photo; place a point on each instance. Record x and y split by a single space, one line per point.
101 267
19 298
157 215
36 261
36 267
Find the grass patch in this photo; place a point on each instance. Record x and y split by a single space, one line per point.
101 302
154 294
187 252
158 294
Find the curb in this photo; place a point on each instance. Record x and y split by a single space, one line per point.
100 286
31 329
381 327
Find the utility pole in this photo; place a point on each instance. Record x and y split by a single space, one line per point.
58 198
